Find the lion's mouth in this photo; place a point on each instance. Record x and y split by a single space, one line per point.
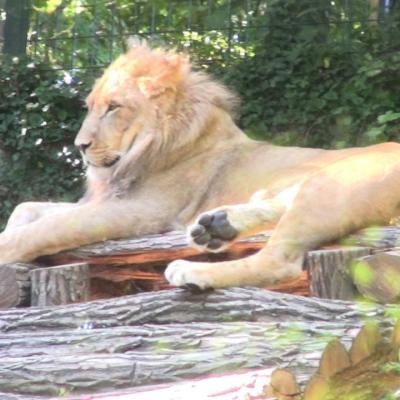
104 164
108 164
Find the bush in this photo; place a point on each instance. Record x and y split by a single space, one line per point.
40 114
319 77
318 80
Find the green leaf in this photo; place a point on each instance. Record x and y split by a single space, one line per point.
373 133
388 117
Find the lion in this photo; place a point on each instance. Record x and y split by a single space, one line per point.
162 152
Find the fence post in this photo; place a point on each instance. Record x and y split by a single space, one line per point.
16 27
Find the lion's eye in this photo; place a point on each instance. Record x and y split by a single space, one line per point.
112 107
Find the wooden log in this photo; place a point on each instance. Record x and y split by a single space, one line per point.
71 360
368 371
283 385
63 284
151 338
245 385
127 266
148 249
367 380
14 396
377 237
15 285
179 306
377 276
171 245
329 272
111 256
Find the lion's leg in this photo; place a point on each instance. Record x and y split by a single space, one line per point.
270 265
217 229
27 212
330 204
79 225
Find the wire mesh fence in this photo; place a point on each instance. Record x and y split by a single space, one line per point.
81 34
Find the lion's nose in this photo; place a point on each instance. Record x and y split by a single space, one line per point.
84 146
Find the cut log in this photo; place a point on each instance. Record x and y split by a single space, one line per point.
73 348
369 376
64 284
283 385
334 359
172 245
377 237
240 386
317 388
94 359
377 276
178 306
329 272
369 371
119 267
128 266
15 285
148 249
367 380
366 342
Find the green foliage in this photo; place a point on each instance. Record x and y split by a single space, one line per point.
313 73
39 117
322 77
77 34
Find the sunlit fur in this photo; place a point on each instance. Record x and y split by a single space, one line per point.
161 147
166 107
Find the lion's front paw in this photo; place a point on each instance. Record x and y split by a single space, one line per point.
212 231
188 274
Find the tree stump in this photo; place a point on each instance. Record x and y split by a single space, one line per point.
329 272
377 276
60 285
15 285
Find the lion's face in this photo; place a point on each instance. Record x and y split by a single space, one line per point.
113 122
129 104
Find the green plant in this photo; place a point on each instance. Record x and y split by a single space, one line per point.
321 77
40 113
308 72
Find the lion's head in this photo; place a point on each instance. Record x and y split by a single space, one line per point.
147 105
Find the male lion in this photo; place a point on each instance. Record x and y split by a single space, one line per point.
161 147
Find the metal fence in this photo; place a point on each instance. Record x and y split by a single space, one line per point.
80 34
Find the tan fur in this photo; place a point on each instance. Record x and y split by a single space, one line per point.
161 147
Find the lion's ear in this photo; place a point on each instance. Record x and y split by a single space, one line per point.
170 70
150 87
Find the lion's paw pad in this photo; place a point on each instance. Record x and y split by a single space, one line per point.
213 231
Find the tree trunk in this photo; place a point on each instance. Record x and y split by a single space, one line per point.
153 338
16 27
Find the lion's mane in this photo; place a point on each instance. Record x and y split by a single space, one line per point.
187 100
